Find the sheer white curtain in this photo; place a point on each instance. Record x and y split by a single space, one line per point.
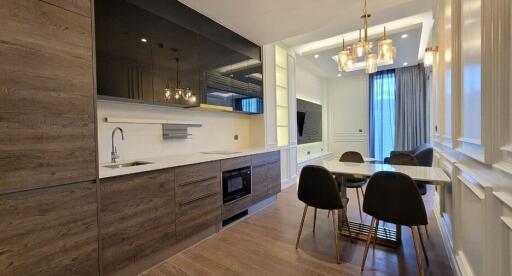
382 114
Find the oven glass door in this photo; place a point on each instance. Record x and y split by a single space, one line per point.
236 184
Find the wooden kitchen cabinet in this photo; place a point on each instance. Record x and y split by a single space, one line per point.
198 198
266 175
47 116
50 231
137 217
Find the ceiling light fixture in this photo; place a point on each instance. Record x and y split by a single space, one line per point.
348 58
339 75
144 40
404 36
317 56
405 64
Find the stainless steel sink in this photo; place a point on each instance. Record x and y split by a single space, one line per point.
124 165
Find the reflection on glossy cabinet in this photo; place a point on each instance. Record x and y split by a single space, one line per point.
137 217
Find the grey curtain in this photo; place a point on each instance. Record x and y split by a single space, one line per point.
412 111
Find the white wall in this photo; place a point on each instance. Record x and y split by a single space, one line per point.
348 113
145 140
313 88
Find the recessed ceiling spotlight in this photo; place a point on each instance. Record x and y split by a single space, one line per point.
143 40
317 56
339 75
404 36
405 64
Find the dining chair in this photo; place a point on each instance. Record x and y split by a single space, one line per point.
318 189
393 197
407 159
354 182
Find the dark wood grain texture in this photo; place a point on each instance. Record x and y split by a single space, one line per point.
47 117
81 7
198 198
266 175
50 231
137 217
235 207
235 163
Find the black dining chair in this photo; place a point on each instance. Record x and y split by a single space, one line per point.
393 197
406 159
318 189
354 182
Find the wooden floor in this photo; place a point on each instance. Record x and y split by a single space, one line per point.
264 244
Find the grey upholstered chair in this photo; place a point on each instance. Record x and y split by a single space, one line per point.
318 189
354 182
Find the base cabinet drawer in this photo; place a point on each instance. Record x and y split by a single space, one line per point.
137 217
235 207
50 231
202 213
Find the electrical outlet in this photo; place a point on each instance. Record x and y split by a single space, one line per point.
235 137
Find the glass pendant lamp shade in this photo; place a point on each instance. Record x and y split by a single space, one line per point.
385 50
371 63
343 57
359 49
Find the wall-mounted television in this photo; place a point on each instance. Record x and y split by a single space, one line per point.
309 122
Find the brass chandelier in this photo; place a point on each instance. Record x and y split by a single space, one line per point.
179 92
360 55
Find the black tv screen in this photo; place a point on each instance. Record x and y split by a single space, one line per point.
309 122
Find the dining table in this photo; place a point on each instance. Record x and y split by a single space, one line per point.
385 235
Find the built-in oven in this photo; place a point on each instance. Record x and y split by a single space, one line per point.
236 184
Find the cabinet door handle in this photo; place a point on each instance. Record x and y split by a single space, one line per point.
198 198
196 181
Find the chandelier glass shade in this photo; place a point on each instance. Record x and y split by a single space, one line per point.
428 59
361 56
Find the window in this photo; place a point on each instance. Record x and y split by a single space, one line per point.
382 114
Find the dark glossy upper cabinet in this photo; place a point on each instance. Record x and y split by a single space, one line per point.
163 52
123 51
176 67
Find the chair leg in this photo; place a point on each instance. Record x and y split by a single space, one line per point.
300 228
423 247
417 250
335 237
328 213
345 218
314 222
375 234
362 191
426 232
367 243
359 203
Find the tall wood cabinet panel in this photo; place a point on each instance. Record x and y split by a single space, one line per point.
51 231
137 217
47 117
266 175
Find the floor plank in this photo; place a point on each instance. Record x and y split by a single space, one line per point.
264 244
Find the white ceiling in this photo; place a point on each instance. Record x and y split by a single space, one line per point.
300 21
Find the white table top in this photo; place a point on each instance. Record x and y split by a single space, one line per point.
429 174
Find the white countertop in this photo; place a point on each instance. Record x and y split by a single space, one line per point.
430 174
171 161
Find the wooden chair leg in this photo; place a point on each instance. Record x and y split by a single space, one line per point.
362 191
423 247
417 250
300 228
335 237
426 232
375 234
314 222
345 218
367 243
359 203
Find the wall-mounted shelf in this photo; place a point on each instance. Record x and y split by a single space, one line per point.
151 121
